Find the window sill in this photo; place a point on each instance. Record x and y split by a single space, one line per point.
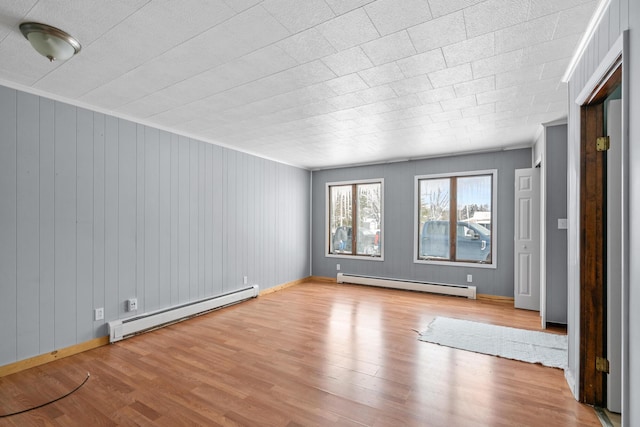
456 264
358 257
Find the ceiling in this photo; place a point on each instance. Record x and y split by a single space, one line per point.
311 83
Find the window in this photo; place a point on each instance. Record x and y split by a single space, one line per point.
354 226
466 200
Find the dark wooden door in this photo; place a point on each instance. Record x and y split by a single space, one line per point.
592 257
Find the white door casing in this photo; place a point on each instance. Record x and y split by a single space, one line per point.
614 256
527 239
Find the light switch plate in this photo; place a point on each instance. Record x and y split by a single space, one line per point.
562 223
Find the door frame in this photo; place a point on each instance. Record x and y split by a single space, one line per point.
592 304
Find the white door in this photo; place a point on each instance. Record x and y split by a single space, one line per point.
527 239
614 256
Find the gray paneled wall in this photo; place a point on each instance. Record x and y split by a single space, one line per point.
95 210
399 217
556 208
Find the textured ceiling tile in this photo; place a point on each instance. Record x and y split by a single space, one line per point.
303 75
411 85
307 46
540 8
437 95
145 79
541 86
550 96
390 16
260 63
241 5
403 102
318 108
26 65
425 111
496 64
422 63
389 48
520 76
155 17
347 84
297 15
459 103
375 108
348 61
343 6
550 51
459 124
445 7
494 96
493 15
237 36
75 78
148 106
475 86
248 31
555 68
451 76
382 74
526 34
395 115
438 32
111 96
574 20
516 104
435 127
446 116
349 30
478 110
345 115
18 10
469 50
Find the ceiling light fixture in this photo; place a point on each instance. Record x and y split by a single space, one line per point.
49 41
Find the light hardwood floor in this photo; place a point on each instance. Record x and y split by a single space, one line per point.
313 354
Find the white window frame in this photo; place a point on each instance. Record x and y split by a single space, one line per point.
494 219
328 225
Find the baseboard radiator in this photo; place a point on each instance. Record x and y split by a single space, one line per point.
410 285
124 328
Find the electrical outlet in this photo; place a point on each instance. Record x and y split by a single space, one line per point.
132 304
469 278
337 267
98 313
244 280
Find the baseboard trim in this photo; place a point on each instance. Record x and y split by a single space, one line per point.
322 279
32 362
283 286
496 298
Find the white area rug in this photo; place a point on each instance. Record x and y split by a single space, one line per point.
511 343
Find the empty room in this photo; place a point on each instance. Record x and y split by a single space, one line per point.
319 213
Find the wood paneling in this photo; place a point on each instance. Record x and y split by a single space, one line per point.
8 223
27 215
316 355
96 210
65 200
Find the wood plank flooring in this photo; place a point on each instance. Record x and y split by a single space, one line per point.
315 354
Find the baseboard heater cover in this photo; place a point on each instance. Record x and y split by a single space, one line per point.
124 328
410 285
